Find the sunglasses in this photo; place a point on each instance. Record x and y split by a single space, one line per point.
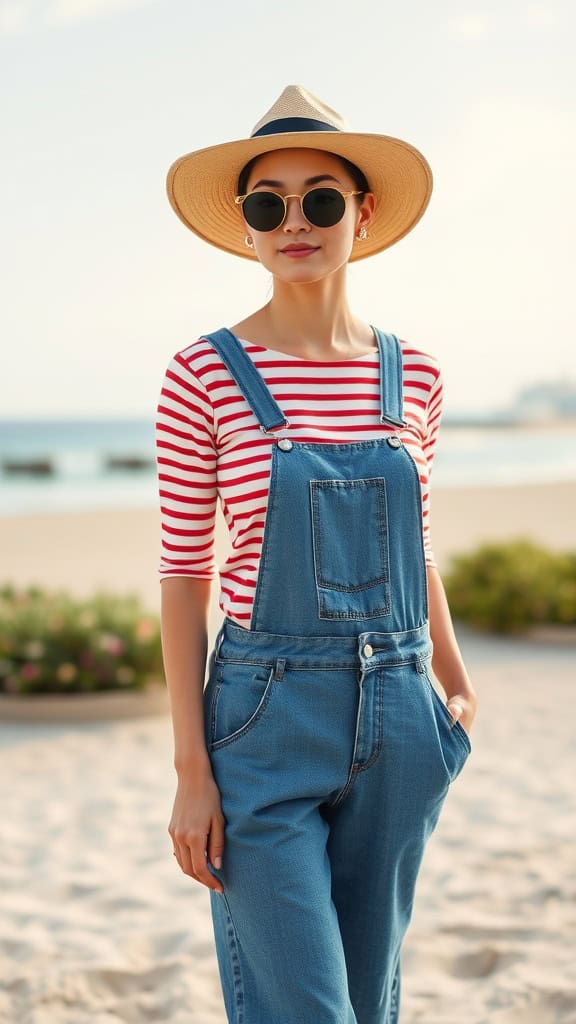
322 207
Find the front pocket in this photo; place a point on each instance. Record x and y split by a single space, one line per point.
240 697
350 539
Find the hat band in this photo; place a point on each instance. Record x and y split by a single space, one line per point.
294 124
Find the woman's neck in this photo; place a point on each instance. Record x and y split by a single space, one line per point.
309 320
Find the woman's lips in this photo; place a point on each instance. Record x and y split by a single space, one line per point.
298 251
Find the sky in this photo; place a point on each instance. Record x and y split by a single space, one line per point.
102 284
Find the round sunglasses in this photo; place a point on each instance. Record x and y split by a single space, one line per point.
322 207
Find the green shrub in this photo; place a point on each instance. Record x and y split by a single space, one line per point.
51 642
509 586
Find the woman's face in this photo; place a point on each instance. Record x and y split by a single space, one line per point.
298 251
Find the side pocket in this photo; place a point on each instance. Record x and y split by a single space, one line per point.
456 745
241 695
208 697
350 543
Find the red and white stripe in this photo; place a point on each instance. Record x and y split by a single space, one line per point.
209 444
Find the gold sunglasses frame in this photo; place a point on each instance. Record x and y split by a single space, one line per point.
239 200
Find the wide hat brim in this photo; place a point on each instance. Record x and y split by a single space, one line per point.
201 185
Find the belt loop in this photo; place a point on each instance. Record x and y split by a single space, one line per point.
421 660
279 666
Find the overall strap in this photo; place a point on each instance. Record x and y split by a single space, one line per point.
249 380
391 390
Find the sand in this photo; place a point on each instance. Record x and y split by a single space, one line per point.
99 924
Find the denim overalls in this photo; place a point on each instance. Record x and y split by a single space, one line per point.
331 748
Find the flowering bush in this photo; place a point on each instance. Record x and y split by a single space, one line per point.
508 586
51 642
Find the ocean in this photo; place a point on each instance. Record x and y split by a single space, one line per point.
82 478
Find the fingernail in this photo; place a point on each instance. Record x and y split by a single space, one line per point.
218 862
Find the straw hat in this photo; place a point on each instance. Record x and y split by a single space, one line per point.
201 185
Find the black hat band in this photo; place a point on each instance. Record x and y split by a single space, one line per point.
294 124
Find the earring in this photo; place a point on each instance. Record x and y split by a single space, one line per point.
248 241
362 235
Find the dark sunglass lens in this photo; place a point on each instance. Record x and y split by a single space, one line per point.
263 211
324 207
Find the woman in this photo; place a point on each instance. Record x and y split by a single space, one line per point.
314 765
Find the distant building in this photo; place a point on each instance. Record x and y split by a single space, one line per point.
548 399
537 403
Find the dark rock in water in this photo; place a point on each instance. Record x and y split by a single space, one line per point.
127 462
34 467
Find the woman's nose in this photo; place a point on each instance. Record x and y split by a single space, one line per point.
295 219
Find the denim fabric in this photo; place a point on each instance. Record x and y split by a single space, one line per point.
342 541
359 563
332 750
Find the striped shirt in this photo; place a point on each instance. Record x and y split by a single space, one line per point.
209 448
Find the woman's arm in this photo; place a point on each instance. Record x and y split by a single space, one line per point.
447 660
185 604
197 823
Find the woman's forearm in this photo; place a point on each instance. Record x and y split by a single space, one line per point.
447 660
185 606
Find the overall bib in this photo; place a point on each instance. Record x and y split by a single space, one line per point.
332 749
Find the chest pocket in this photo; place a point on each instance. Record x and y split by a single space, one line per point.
350 538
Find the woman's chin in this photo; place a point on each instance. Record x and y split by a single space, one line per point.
304 271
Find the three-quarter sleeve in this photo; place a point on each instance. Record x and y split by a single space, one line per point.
186 473
429 446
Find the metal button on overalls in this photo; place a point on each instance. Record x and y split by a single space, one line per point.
285 444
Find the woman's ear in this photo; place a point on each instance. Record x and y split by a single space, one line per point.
366 211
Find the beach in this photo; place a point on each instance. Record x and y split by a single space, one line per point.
100 925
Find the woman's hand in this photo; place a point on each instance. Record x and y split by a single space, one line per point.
447 660
197 826
462 707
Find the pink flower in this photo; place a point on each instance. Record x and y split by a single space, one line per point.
111 644
29 671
